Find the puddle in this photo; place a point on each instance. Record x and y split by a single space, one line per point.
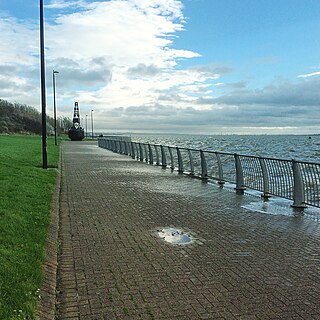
174 236
282 207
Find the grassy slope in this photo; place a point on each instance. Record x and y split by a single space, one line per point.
25 197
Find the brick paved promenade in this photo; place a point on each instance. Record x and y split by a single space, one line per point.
242 265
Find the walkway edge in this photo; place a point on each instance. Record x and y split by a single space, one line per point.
47 303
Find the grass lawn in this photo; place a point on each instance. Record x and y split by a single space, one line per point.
25 198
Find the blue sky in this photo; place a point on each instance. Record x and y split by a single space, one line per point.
202 66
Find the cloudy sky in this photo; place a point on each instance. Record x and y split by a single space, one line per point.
185 66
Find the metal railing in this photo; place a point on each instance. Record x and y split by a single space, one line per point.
294 180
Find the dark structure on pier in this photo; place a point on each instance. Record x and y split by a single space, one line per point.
76 132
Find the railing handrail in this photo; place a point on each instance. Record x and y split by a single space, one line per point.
291 179
220 152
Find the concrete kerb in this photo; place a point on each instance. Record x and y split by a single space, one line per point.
47 303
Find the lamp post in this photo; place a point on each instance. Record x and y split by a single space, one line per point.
91 124
54 105
86 126
43 92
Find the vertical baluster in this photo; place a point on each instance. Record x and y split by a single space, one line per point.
308 176
265 177
191 162
220 170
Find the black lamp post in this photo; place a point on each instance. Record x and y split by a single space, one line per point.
91 124
54 105
43 92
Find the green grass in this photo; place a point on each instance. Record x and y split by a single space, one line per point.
25 198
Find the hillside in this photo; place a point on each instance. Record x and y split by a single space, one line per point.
20 118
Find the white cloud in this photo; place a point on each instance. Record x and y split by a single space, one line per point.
122 35
61 4
309 74
19 42
118 57
125 32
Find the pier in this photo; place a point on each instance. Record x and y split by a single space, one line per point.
114 262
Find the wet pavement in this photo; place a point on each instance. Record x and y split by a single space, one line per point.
242 262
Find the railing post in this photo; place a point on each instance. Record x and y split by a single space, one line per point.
150 154
204 169
129 148
220 171
145 150
298 187
140 151
180 163
125 151
126 148
157 155
191 162
163 157
171 158
265 177
133 155
114 146
239 176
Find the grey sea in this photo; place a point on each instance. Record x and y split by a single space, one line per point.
298 147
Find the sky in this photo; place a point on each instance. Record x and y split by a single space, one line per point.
169 66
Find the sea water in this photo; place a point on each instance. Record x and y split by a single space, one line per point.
298 147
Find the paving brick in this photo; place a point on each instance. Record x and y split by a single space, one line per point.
242 264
